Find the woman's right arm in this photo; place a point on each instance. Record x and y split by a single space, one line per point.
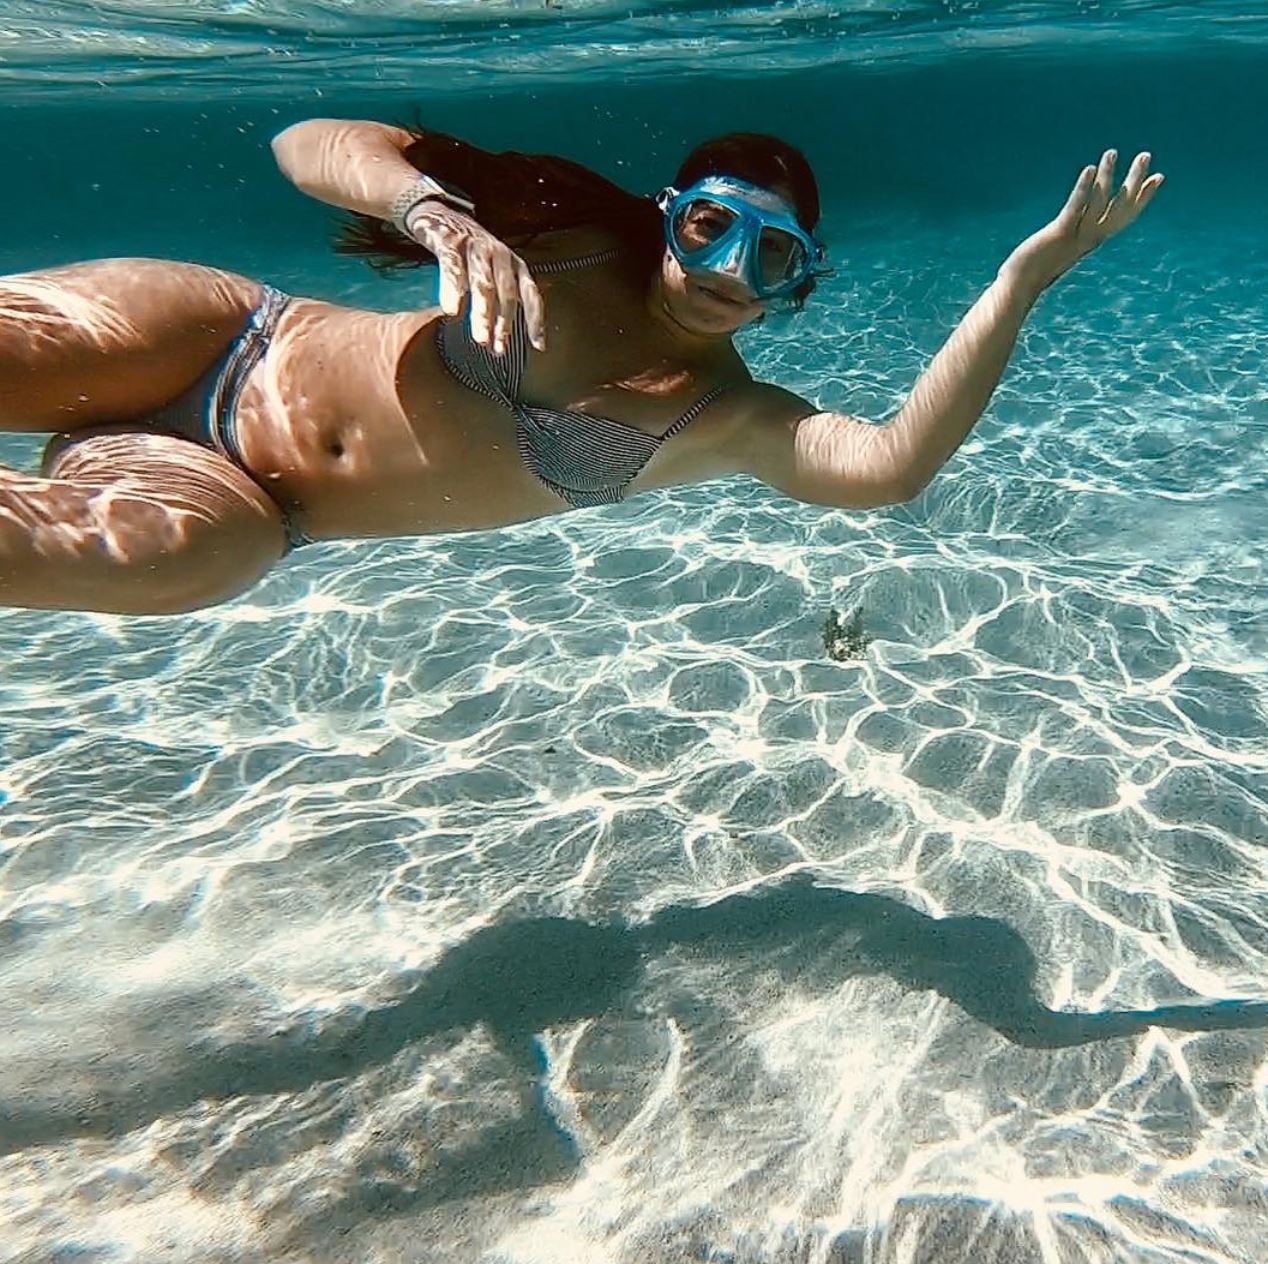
357 166
361 167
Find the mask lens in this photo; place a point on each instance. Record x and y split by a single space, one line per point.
700 223
781 256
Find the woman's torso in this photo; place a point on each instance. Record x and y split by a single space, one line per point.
355 421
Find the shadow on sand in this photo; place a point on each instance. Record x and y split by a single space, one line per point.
523 976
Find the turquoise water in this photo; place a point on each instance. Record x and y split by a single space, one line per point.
549 895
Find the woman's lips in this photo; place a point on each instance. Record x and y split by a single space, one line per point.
719 297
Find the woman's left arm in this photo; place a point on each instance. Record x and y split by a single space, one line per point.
827 458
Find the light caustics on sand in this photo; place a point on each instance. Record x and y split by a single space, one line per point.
556 890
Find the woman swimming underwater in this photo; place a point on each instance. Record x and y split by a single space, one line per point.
205 423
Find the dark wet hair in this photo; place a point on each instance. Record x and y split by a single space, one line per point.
517 196
760 159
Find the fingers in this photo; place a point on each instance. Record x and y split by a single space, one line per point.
1094 211
483 293
534 308
1148 189
1134 180
1127 202
438 235
1102 187
1076 204
473 263
453 279
1140 186
500 284
506 285
1090 216
1137 189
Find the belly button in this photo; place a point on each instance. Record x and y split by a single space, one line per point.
335 449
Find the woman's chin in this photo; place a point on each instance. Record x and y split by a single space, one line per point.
701 309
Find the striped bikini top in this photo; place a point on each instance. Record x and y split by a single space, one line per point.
584 459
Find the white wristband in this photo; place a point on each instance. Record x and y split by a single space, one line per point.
425 189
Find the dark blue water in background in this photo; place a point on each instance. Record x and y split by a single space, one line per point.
959 136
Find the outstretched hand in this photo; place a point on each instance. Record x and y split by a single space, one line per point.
1093 213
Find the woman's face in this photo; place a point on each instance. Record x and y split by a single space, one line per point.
715 300
707 302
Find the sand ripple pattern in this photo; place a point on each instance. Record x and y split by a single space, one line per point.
365 918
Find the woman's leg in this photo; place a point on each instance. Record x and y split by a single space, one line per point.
128 523
134 524
112 339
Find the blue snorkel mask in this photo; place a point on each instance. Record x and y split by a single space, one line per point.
714 227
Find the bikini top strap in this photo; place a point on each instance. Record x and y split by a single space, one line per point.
692 413
550 267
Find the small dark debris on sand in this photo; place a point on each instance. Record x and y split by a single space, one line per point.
845 639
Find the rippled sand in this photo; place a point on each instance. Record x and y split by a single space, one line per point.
439 900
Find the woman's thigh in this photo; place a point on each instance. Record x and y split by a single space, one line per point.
111 339
131 523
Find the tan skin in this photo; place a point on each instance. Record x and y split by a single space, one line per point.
352 419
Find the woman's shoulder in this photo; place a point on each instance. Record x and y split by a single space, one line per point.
765 403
